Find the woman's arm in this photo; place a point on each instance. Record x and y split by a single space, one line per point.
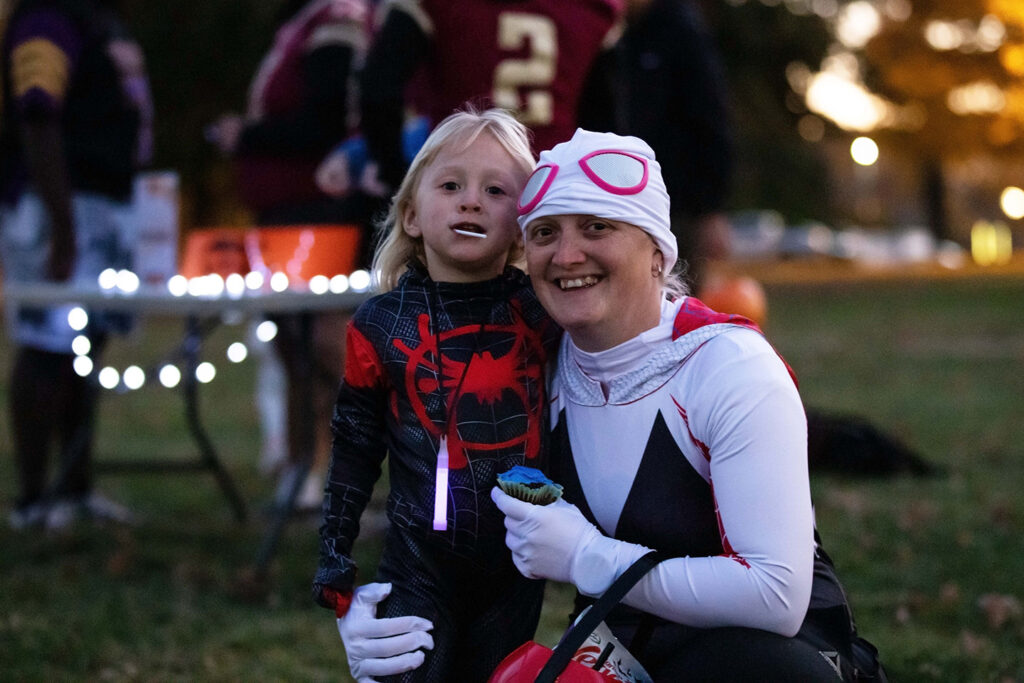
751 420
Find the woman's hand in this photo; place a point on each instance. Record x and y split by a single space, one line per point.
557 542
381 647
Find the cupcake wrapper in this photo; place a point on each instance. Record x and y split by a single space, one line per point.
541 495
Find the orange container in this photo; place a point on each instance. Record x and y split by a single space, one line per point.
302 251
214 250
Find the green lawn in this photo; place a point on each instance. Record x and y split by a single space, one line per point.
933 567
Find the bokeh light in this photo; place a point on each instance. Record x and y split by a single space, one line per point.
205 372
134 377
78 319
237 352
81 346
109 377
169 376
266 330
864 151
1011 201
991 243
83 366
279 281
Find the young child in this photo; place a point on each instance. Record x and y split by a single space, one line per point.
444 375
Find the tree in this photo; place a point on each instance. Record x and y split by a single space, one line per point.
775 167
951 70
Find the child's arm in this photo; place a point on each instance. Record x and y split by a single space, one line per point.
358 451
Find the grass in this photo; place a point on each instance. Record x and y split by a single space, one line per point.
932 566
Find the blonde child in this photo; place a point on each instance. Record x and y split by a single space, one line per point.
444 376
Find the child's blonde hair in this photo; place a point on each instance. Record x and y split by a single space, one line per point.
397 250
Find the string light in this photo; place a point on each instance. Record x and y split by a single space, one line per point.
237 352
134 377
266 330
205 372
82 366
279 281
78 319
339 284
169 376
109 377
81 346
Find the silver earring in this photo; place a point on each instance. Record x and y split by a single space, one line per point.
659 271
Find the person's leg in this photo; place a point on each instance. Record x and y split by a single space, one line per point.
328 370
511 606
723 655
294 332
104 230
420 586
33 404
311 348
76 427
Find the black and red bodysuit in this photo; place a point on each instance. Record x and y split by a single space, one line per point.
426 360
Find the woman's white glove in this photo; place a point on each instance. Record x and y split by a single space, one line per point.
557 542
381 647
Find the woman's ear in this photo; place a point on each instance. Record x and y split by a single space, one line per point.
658 264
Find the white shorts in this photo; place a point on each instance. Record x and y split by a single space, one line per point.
104 238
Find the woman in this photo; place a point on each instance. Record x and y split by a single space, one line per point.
674 428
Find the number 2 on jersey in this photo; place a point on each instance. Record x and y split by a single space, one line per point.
534 73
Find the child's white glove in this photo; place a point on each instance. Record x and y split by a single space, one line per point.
556 542
381 647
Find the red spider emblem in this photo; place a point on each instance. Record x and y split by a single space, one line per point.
490 380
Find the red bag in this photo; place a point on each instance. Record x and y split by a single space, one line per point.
526 662
531 662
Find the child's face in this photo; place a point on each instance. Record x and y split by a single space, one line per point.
464 209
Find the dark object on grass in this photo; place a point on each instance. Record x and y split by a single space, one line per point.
851 445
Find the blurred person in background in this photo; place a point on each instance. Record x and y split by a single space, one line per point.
300 106
665 82
76 126
531 57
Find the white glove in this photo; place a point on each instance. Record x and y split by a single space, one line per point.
557 542
381 647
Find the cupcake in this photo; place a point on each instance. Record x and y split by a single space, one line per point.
529 484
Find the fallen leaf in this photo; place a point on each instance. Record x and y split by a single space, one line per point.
999 609
972 644
949 593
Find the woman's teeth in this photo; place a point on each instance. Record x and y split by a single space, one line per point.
578 282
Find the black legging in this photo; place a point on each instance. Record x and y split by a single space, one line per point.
750 655
825 649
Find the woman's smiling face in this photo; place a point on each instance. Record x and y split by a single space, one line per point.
596 277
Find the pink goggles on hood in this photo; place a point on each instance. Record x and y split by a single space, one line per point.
612 170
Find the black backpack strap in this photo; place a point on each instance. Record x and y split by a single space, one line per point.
579 631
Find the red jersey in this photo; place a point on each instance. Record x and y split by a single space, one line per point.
529 56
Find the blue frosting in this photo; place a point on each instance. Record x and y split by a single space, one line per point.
521 474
